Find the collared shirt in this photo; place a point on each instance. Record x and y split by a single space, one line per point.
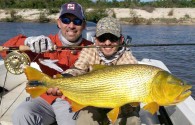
89 57
66 58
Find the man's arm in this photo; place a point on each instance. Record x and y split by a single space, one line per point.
13 42
82 65
37 44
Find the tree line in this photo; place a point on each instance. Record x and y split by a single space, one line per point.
39 4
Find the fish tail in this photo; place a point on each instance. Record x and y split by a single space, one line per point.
33 74
36 86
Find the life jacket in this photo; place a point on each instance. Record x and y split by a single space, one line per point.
66 58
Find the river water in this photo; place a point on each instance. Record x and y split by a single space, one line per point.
179 59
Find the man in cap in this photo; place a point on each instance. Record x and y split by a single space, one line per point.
108 33
48 108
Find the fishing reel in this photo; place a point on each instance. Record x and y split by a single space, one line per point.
15 61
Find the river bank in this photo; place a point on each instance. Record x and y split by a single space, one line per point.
177 16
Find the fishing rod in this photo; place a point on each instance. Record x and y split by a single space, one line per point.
126 45
15 59
26 48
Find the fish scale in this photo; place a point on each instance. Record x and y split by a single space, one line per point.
114 86
107 86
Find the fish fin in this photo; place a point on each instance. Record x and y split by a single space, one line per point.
75 106
113 114
58 76
35 87
152 107
36 91
33 74
135 104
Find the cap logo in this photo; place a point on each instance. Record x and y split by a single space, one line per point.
71 7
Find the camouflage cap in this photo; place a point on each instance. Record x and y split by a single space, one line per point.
108 25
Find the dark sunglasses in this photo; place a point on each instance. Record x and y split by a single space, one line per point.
76 21
110 37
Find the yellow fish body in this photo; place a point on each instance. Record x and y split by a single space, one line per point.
114 86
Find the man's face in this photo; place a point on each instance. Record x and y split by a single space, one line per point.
108 40
71 27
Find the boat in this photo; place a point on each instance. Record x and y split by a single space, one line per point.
12 87
13 92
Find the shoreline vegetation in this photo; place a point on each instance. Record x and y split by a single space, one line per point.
140 16
136 12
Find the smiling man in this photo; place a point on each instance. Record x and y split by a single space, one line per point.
108 34
48 109
71 21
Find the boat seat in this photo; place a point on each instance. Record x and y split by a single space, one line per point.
148 119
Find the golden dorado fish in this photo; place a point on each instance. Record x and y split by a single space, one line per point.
115 86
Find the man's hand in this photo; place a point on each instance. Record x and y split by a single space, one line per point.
39 44
54 92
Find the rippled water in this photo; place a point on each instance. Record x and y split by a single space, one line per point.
179 59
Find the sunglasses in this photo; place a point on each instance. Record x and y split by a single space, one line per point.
75 21
110 37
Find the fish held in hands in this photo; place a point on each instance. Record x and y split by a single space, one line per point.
114 86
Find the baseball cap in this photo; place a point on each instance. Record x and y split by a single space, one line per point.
108 25
72 8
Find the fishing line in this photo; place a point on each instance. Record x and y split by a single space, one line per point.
21 29
140 51
12 103
3 91
35 57
149 45
72 47
125 45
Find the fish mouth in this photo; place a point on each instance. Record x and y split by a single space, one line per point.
184 94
